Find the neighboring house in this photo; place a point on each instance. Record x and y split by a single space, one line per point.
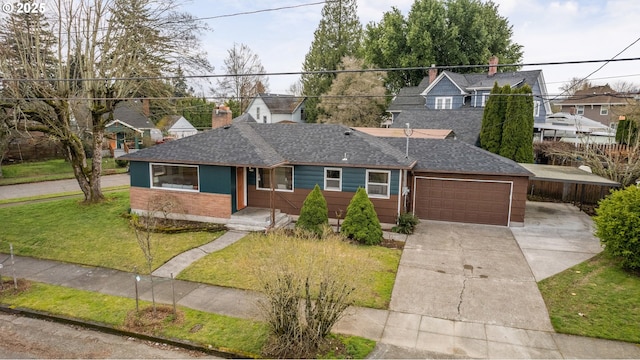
575 129
129 126
216 174
456 101
178 127
598 103
274 108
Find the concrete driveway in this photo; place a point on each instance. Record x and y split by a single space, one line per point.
470 273
555 237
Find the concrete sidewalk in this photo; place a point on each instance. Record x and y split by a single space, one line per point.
57 186
399 334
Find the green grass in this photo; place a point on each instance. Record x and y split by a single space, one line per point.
96 235
221 332
596 299
240 336
57 169
371 270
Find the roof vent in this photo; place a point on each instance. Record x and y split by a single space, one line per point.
226 126
347 132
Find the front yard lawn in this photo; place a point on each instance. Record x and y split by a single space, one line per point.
95 235
595 298
371 270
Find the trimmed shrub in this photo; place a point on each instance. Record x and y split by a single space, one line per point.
361 221
406 223
314 215
617 223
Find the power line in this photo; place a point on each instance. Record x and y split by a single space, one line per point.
264 10
321 72
601 66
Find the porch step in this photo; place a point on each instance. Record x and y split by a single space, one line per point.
253 219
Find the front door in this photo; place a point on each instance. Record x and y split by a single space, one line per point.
241 188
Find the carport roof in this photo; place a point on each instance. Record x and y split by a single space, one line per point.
566 174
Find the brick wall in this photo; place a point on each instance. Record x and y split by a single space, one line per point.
188 203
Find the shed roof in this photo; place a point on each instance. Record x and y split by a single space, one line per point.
415 133
566 174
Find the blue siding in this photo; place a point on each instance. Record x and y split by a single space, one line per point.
535 89
217 179
139 174
476 99
306 177
445 87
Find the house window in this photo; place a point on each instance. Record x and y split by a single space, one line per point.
258 113
264 119
282 177
378 183
604 110
536 108
580 110
444 102
484 100
333 179
180 177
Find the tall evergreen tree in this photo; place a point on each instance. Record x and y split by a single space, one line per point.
517 132
442 32
338 35
493 117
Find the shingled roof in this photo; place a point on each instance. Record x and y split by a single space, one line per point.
270 145
452 156
595 95
281 104
131 112
465 122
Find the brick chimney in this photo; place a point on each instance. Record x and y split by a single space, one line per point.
433 73
221 116
493 65
146 110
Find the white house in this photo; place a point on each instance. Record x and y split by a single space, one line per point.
179 127
273 108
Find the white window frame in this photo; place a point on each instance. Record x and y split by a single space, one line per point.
177 187
604 110
332 188
388 184
444 103
484 99
276 188
536 108
579 109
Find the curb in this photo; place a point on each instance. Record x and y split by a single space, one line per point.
111 330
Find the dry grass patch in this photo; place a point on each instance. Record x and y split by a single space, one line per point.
246 264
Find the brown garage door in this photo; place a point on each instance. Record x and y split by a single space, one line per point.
463 200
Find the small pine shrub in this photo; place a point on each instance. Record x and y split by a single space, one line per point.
406 223
361 221
314 215
617 223
121 163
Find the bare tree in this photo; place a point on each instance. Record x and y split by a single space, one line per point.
244 76
94 54
570 87
354 98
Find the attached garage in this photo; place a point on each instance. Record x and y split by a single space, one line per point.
474 201
456 181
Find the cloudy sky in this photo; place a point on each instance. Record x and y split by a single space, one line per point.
550 31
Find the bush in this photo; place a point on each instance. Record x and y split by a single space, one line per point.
361 221
617 223
121 163
406 223
314 215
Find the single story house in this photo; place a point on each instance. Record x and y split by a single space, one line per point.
220 172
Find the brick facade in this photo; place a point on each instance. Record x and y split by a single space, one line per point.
196 204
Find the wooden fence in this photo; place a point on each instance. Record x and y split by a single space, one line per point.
567 192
